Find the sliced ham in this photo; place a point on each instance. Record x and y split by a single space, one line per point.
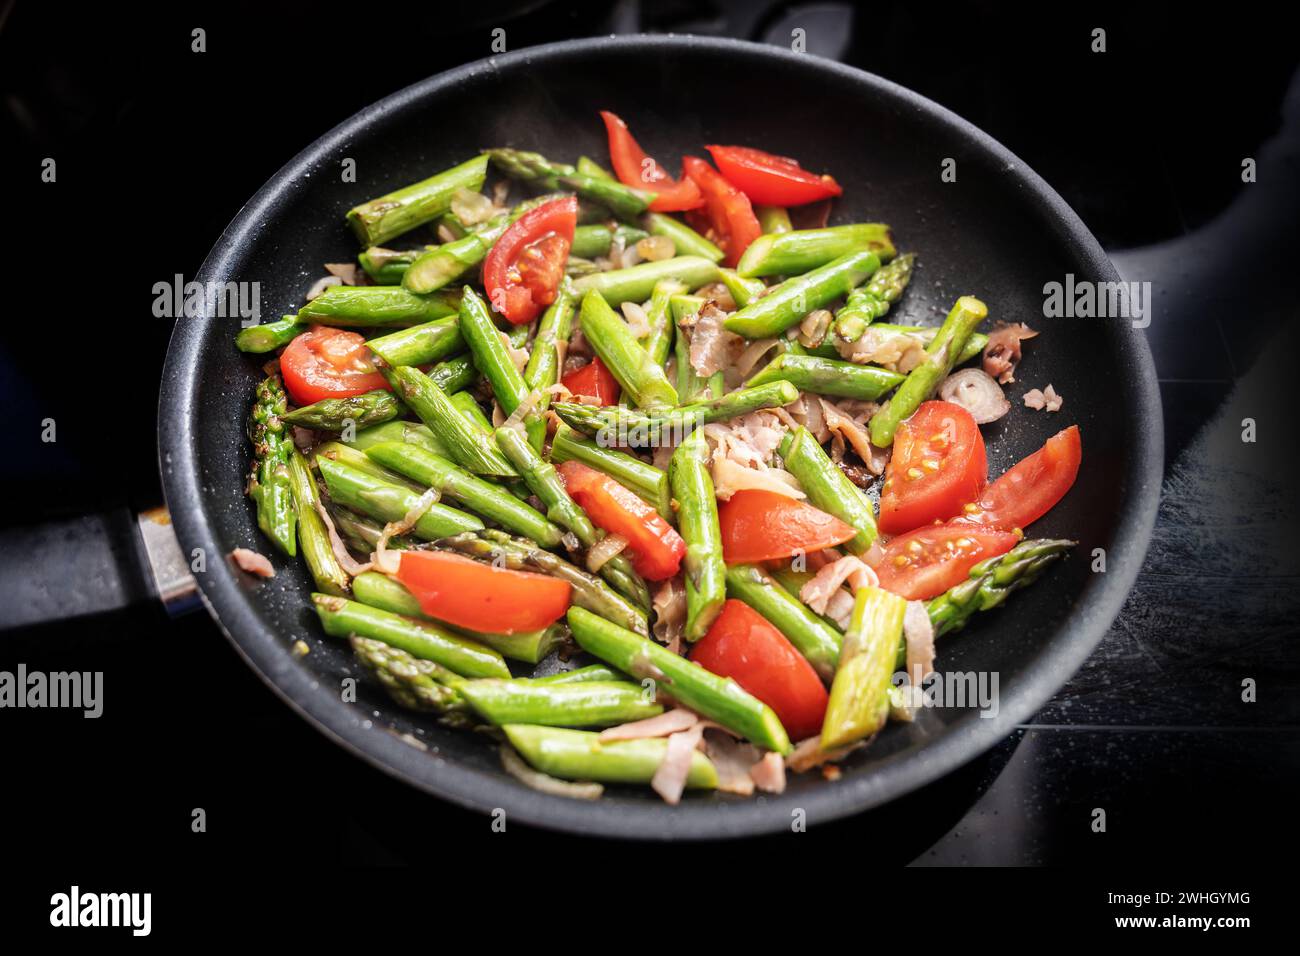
918 633
669 779
661 725
808 754
730 477
670 610
348 272
732 759
840 609
1043 399
253 562
1002 353
900 352
850 428
819 590
713 348
769 773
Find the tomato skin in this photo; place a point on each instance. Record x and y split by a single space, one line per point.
771 180
1032 486
630 165
730 214
743 645
654 546
919 565
325 362
481 597
760 525
524 267
595 381
938 465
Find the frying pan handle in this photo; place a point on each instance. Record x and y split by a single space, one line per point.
92 565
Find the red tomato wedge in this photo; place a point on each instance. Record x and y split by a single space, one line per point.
938 465
468 593
728 210
654 546
771 180
525 266
634 168
1032 486
928 561
744 646
325 362
595 381
764 525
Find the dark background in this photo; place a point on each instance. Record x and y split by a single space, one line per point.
157 149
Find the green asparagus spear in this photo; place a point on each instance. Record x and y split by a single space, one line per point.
706 584
596 239
358 460
773 219
376 306
584 704
824 376
377 590
794 298
717 698
792 582
743 291
589 591
420 344
257 339
489 351
387 266
624 201
871 300
575 267
589 167
334 414
811 636
379 220
637 283
649 482
940 356
469 447
660 338
641 377
543 368
454 374
796 252
413 683
686 240
313 538
580 755
829 488
423 639
859 698
408 432
580 674
362 534
389 502
622 426
992 581
482 497
439 266
269 485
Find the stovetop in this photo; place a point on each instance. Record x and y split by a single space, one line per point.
1154 729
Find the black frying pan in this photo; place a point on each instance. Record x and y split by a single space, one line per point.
998 232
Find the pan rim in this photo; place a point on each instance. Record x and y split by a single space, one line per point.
231 606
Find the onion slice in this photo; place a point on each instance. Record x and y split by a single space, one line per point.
603 550
976 391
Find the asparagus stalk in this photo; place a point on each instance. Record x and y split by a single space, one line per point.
621 426
577 675
580 755
859 699
334 414
408 432
706 584
420 344
388 502
454 374
377 221
871 300
376 306
811 636
589 591
794 298
377 590
660 338
798 251
686 240
489 351
743 291
596 239
624 201
387 266
589 167
313 538
362 534
440 265
412 683
269 485
637 283
468 446
257 339
940 356
773 219
717 698
649 482
581 704
354 458
992 581
489 500
641 377
824 376
829 488
423 639
543 368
